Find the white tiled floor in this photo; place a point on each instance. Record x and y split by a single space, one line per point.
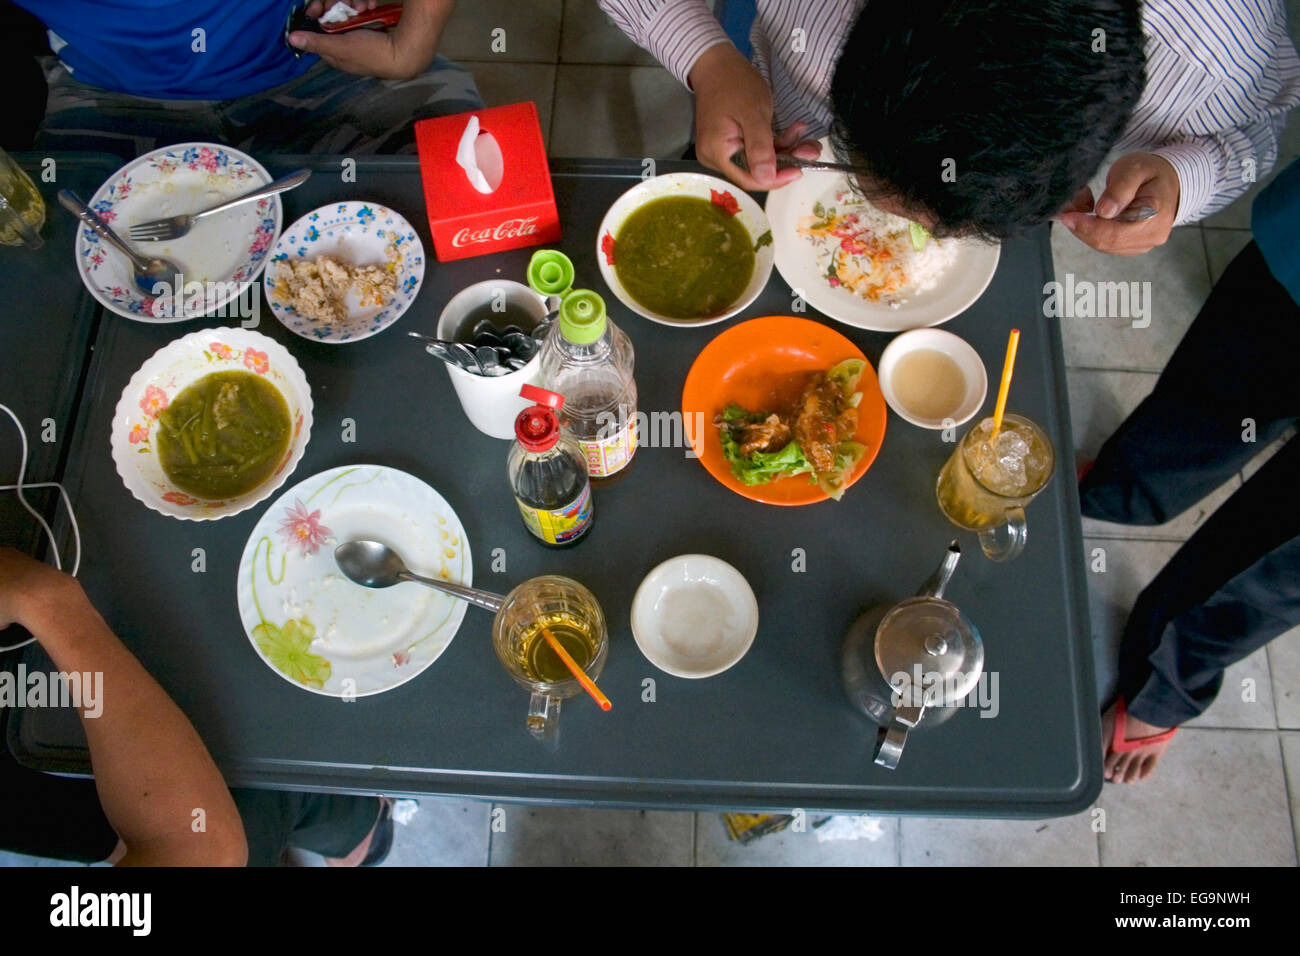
1228 790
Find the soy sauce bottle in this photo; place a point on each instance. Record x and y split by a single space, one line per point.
548 473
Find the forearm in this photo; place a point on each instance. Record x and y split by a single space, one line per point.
675 32
151 768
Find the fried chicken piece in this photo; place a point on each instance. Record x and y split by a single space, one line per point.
771 434
823 419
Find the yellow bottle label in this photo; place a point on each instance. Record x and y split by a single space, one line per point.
560 526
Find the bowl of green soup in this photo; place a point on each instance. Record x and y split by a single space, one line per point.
685 249
211 424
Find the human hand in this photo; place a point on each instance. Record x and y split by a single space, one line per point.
28 586
1143 178
401 53
733 110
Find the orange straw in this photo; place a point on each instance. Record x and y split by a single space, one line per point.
587 684
1007 367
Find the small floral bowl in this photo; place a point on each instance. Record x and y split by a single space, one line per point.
168 372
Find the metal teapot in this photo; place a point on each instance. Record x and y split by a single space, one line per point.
912 662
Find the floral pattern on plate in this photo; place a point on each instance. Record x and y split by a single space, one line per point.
317 629
174 368
360 233
224 252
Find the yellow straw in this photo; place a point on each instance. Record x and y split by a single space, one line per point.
1007 367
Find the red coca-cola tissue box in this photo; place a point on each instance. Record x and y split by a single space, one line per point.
487 185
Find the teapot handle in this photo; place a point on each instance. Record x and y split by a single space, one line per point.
889 749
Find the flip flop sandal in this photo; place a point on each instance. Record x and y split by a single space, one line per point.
382 841
1120 744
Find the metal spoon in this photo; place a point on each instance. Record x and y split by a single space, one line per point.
787 161
375 565
149 272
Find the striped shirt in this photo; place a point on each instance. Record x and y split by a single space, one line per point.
1221 77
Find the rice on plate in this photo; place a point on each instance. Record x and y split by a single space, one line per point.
872 253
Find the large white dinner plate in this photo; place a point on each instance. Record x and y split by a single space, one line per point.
320 631
362 234
224 252
961 284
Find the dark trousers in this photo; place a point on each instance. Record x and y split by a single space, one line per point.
1235 584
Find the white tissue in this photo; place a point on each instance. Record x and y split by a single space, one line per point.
339 13
404 810
861 827
479 154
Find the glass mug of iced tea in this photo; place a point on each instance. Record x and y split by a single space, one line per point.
573 616
22 210
986 484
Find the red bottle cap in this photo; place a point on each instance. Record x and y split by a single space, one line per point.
542 397
537 428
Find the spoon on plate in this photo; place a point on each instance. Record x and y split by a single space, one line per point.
373 564
149 272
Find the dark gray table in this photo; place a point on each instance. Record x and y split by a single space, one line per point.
45 334
774 732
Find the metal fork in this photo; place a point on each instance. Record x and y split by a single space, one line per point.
157 230
788 161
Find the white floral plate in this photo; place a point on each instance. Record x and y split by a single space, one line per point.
169 371
223 253
963 282
363 234
317 629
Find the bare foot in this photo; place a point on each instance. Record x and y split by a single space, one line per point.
1132 765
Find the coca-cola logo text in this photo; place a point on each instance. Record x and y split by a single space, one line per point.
509 229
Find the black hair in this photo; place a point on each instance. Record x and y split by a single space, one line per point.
1010 91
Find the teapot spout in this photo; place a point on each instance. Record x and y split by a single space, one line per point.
934 587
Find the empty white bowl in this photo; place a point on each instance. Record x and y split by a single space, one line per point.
963 355
694 616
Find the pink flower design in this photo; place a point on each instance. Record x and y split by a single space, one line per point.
302 529
149 305
154 401
96 258
180 498
401 658
107 215
261 239
221 351
257 361
123 190
207 159
138 434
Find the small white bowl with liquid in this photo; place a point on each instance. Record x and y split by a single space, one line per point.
932 378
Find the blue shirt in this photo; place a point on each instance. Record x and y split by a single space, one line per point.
1275 221
150 47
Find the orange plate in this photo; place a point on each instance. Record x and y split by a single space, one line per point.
762 364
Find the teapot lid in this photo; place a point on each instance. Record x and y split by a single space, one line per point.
927 647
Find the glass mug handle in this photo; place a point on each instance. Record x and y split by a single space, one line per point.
544 718
1007 540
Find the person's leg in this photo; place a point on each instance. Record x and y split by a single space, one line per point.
329 824
1236 362
83 117
331 112
1230 589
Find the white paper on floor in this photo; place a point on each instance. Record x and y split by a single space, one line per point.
861 827
404 810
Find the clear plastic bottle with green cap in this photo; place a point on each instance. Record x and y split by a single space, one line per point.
589 360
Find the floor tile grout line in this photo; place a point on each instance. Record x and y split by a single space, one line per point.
1286 783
